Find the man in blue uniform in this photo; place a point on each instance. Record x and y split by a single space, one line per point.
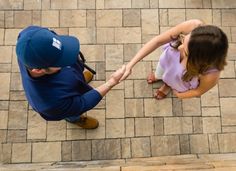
54 79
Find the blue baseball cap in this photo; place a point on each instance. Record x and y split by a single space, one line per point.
39 47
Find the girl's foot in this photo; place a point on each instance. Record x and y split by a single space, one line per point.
151 78
162 92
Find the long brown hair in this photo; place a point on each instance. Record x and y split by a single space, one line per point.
207 48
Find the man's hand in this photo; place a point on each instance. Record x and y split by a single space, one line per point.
126 74
116 76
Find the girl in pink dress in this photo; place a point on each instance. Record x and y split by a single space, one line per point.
193 56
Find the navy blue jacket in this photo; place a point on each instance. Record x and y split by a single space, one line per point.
59 95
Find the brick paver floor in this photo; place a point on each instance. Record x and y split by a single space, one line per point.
132 123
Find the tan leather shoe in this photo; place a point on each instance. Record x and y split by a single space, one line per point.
88 76
87 122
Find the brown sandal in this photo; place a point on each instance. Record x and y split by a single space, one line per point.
151 78
160 94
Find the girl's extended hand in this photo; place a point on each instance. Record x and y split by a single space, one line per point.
116 76
126 74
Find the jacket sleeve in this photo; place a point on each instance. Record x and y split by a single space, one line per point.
75 105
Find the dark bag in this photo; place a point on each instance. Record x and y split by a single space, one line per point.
83 62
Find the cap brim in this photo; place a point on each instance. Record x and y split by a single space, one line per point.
71 49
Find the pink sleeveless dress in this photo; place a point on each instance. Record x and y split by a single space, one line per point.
174 70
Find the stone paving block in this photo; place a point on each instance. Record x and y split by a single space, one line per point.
128 35
1 35
103 18
154 4
11 5
129 88
66 151
4 105
207 4
16 83
140 71
115 128
130 51
93 53
211 97
21 153
5 68
227 87
106 149
213 143
22 19
194 4
191 107
216 17
197 125
211 124
9 19
75 133
81 150
142 89
100 131
100 4
228 71
46 4
152 107
150 21
85 35
105 35
177 107
211 111
227 142
72 18
17 115
7 153
14 135
32 5
117 4
131 17
56 131
134 108
203 14
11 36
165 145
100 69
228 129
61 4
233 33
163 17
228 116
115 104
231 51
36 17
89 4
3 119
36 128
199 143
158 126
184 144
41 150
140 3
129 127
182 125
140 147
2 19
223 4
3 136
5 54
172 4
50 18
125 148
144 127
91 18
17 95
228 17
176 16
